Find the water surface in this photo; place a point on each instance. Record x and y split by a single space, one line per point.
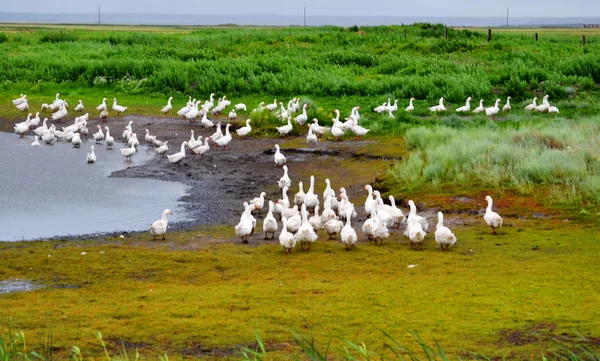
51 191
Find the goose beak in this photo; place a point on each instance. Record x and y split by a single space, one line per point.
171 212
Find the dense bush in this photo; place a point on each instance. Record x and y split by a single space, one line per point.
405 61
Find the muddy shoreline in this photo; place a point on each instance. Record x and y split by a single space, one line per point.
223 179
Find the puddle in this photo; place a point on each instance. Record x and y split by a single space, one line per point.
11 286
50 191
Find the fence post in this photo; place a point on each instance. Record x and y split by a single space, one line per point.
583 40
446 33
489 34
536 36
404 34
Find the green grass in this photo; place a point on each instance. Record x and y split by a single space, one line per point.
196 292
560 153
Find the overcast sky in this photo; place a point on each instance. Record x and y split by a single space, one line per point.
483 8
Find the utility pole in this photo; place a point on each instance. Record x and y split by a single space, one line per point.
305 16
507 18
98 15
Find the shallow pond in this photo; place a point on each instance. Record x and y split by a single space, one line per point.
51 191
10 286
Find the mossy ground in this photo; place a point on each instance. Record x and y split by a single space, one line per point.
195 292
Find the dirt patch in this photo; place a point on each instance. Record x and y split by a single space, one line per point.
197 350
544 332
223 179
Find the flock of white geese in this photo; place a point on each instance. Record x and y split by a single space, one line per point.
296 227
301 221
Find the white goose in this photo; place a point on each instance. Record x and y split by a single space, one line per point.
128 152
492 111
207 123
294 218
244 131
104 115
183 111
492 218
466 107
333 227
48 137
91 156
175 158
39 131
194 143
306 235
75 140
21 128
507 107
240 106
272 106
299 197
118 108
286 239
396 212
79 107
415 233
443 235
410 106
328 192
531 106
60 114
278 157
99 135
358 130
149 138
133 141
244 228
128 130
193 112
438 108
480 108
302 118
108 139
316 221
543 108
259 202
163 148
19 100
35 121
286 129
159 228
328 212
380 109
202 149
316 128
218 132
167 108
285 180
413 215
270 223
282 203
311 138
348 234
232 115
311 200
337 129
24 106
102 105
226 139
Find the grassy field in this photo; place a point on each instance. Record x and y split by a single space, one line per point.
506 296
199 294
